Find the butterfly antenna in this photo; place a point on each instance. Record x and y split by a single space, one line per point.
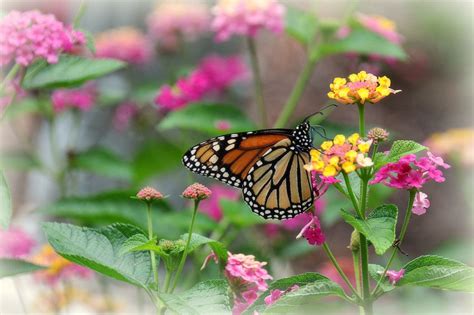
321 133
320 112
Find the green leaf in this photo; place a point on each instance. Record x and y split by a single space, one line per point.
239 214
375 272
439 273
207 297
138 242
301 25
25 106
90 42
102 161
5 203
379 227
99 249
217 247
12 267
399 149
311 285
155 158
361 41
204 117
23 161
69 71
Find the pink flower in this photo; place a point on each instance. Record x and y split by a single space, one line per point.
247 277
420 204
124 113
125 43
27 36
312 232
382 26
172 22
196 191
409 173
246 17
395 276
212 207
222 125
82 98
275 295
15 243
213 75
149 193
437 160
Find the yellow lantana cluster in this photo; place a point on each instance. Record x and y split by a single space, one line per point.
340 154
360 88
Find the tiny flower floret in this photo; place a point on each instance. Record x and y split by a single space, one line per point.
394 276
196 191
275 295
312 232
360 88
149 193
420 204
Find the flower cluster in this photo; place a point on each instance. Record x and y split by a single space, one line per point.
58 267
247 277
382 26
149 193
347 154
124 113
360 88
197 191
82 98
27 36
125 43
172 22
246 17
213 74
312 232
212 207
276 294
458 144
15 243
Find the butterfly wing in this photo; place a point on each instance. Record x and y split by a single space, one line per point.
229 158
277 186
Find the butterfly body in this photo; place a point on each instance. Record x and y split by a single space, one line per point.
266 164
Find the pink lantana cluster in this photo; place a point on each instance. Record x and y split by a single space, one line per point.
196 191
123 115
27 36
246 17
149 193
172 22
312 232
275 295
212 207
82 98
15 243
213 74
247 278
125 43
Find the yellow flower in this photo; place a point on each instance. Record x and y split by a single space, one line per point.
334 161
339 139
348 167
363 94
384 81
314 153
353 138
329 171
326 145
351 155
364 146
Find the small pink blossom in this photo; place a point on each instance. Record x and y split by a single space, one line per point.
174 21
212 207
27 36
312 232
420 204
222 125
275 295
124 113
246 17
394 276
437 160
83 98
125 43
149 193
15 243
382 26
197 191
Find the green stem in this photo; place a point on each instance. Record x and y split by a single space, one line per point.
364 259
361 108
403 231
185 253
296 93
167 280
257 79
152 253
356 260
351 193
339 269
10 76
79 14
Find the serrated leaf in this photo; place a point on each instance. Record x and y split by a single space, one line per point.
18 161
13 267
301 25
439 273
207 297
399 149
69 71
239 213
138 242
5 203
379 226
375 272
205 117
102 161
99 249
217 247
314 280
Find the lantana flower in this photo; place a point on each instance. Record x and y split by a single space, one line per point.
312 232
175 21
15 243
340 154
276 294
196 191
83 98
247 17
31 35
457 143
360 88
421 203
125 43
149 194
394 276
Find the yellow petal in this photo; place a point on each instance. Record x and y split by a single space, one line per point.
331 95
351 155
383 91
329 171
326 145
348 167
362 75
353 138
354 78
315 154
334 161
384 81
363 94
339 139
364 146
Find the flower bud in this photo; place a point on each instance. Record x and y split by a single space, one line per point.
355 241
149 193
197 192
378 135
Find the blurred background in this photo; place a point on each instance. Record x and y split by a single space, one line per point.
82 165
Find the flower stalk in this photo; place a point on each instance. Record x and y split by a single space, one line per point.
257 80
152 253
